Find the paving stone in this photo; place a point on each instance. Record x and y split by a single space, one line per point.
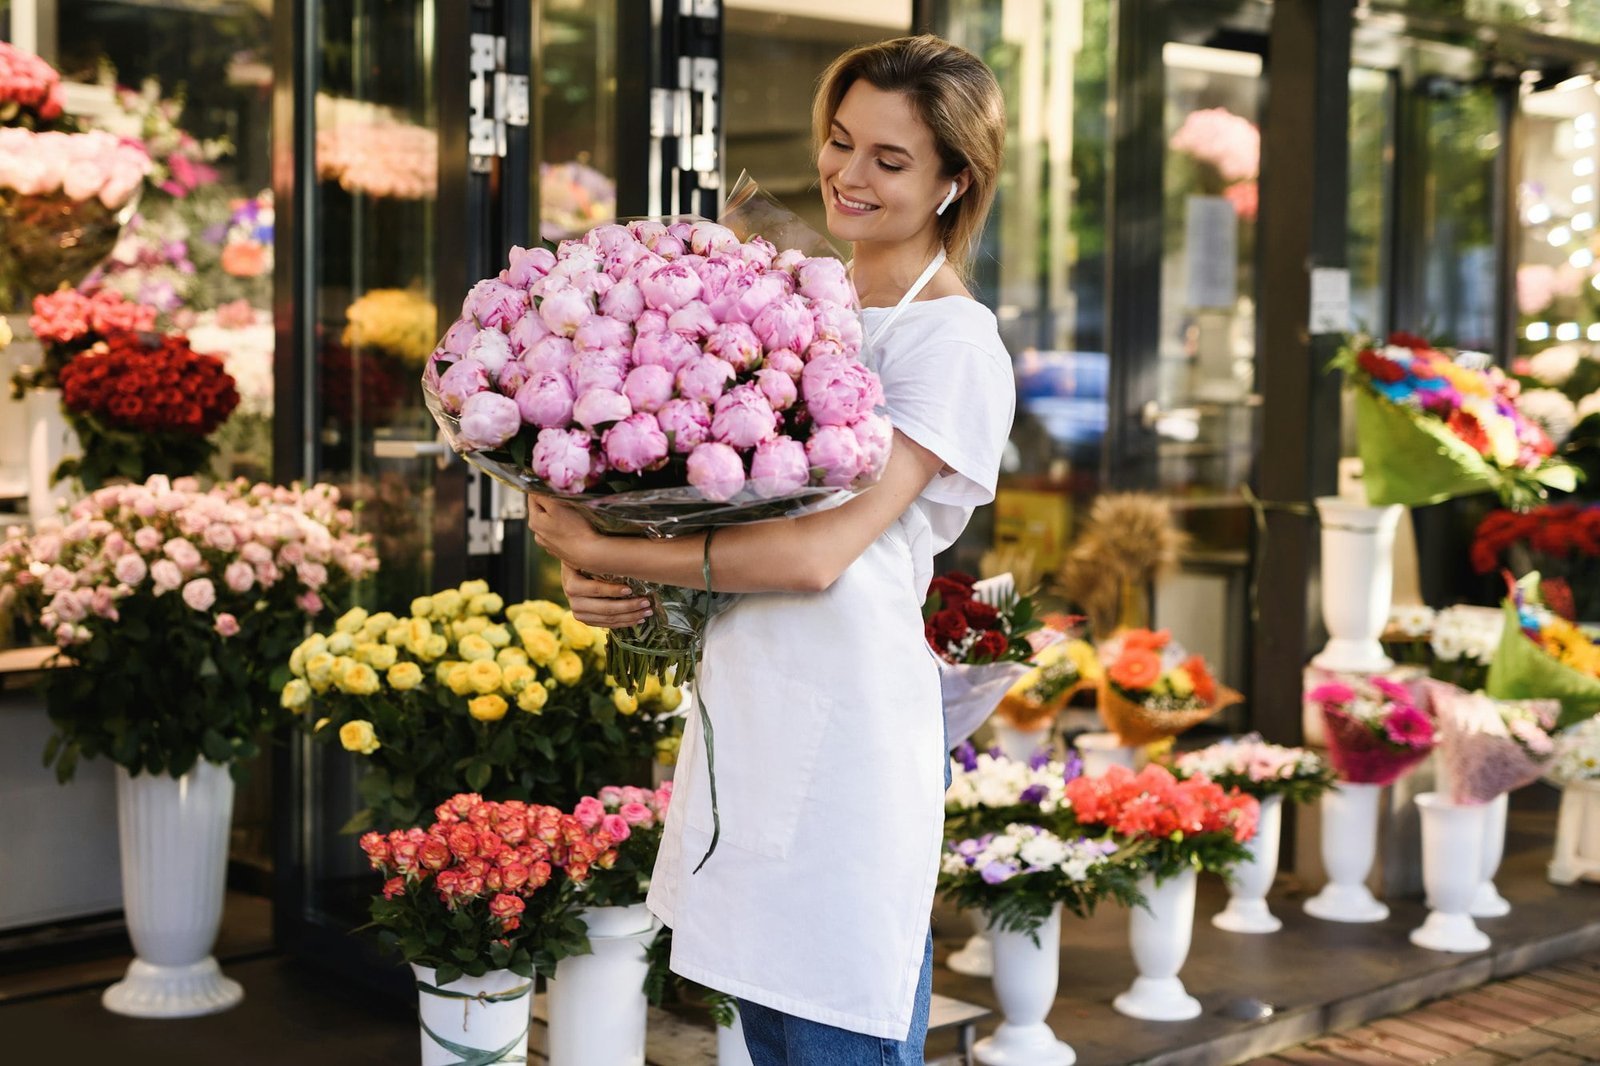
1572 982
1471 1033
1523 1045
1504 992
1587 1047
1476 1058
1407 1027
1468 1014
1391 1045
1352 1051
1510 1008
1543 990
1580 1023
1551 980
1553 1058
1305 1056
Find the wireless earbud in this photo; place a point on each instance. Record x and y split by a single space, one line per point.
949 197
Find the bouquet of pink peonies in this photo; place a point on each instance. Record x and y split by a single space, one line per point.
1374 729
669 378
1487 746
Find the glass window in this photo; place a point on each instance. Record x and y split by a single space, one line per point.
577 124
1463 136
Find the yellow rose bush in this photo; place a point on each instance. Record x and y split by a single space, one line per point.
466 694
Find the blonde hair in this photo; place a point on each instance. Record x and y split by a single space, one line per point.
956 94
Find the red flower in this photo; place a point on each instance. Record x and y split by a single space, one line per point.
1466 427
950 590
1380 368
948 625
1557 596
980 615
990 647
1402 339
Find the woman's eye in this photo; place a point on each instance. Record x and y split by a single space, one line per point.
890 167
840 145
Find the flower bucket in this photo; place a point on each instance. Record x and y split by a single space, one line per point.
1247 910
1357 583
1452 862
597 1001
477 1020
1349 845
1160 938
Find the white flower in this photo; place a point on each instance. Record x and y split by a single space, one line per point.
1466 632
1411 619
1555 364
1551 409
1046 849
1578 752
1589 405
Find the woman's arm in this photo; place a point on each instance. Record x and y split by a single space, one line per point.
790 555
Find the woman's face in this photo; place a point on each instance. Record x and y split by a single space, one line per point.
879 169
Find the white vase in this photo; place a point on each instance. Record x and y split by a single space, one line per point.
1019 745
1349 844
1357 583
1025 978
597 1002
975 958
1487 902
473 1019
50 440
1577 850
1247 910
1160 939
1101 751
173 833
731 1048
1452 866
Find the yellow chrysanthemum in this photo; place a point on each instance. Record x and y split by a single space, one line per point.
442 672
470 626
404 677
476 587
567 668
532 698
417 630
398 636
488 708
459 681
499 636
575 633
382 656
422 607
358 736
624 701
351 620
399 321
358 679
516 677
483 675
541 645
507 657
473 648
485 603
377 625
305 650
296 694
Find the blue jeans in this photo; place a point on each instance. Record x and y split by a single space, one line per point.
778 1039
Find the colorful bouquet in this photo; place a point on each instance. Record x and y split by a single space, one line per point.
1018 874
143 404
466 693
668 379
1578 752
247 242
401 322
1231 145
181 164
573 198
1055 673
1183 823
30 88
68 322
1375 732
1256 768
1489 747
632 818
486 887
1431 428
1152 690
176 607
244 339
982 632
1561 541
1563 390
1545 656
989 791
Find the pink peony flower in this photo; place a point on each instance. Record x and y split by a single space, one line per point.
822 278
838 391
545 400
747 295
708 237
716 470
650 321
565 311
777 387
491 348
227 625
600 332
495 304
529 330
634 444
563 460
239 576
837 323
551 353
666 245
743 418
463 380
608 237
648 387
665 349
624 303
875 434
693 321
512 376
736 344
458 338
527 265
200 594
488 420
606 370
779 467
823 348
782 359
600 406
687 424
704 378
835 451
670 287
785 323
758 252
789 260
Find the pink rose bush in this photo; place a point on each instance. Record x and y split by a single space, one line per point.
172 606
30 89
633 819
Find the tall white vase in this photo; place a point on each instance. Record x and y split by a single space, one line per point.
731 1048
1160 940
1452 865
174 839
1349 844
1101 751
1025 978
1487 902
597 1001
50 440
1357 583
473 1019
1019 744
975 958
1247 910
1577 849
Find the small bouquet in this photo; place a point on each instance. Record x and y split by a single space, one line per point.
486 887
1455 644
632 818
982 632
244 339
143 404
989 791
1181 823
402 322
1055 673
247 242
1431 428
68 322
1152 690
1016 875
1489 747
1374 729
1545 656
468 694
30 89
1259 769
1578 753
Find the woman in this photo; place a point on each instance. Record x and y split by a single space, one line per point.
823 693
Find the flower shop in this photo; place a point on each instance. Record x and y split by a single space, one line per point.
1280 640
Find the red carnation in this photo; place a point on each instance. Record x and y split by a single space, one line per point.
1379 367
1401 339
1469 430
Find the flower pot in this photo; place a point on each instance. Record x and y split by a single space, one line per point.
731 1048
1160 939
1577 850
1025 977
975 958
1357 583
482 1020
50 440
1019 744
1452 865
1101 751
1247 910
597 1002
173 833
1487 902
1349 844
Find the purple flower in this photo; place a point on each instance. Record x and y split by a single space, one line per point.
464 379
837 323
777 387
623 302
545 400
599 333
562 459
1039 759
704 378
634 444
527 265
838 391
875 434
529 330
495 304
565 311
788 362
1033 794
736 343
553 352
692 321
997 872
488 420
686 422
491 348
779 467
1074 766
825 279
670 287
966 755
599 406
743 418
833 451
648 387
664 349
785 323
715 469
459 336
708 237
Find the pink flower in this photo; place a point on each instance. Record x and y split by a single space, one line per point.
838 391
616 827
227 625
664 348
736 344
648 387
463 380
743 417
875 434
637 814
565 311
779 467
527 265
488 420
600 332
200 594
746 295
785 323
650 321
704 378
504 905
693 321
835 451
563 460
309 602
670 286
758 252
529 330
147 538
495 304
550 353
838 323
787 362
239 576
634 444
623 303
825 279
545 400
708 237
611 796
458 338
1333 693
130 569
491 348
666 245
512 377
588 812
600 406
777 387
1408 727
716 470
687 423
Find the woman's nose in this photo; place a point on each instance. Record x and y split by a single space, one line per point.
853 174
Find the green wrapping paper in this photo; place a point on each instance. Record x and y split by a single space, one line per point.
1523 671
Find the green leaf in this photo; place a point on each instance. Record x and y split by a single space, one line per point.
478 775
216 747
447 972
359 822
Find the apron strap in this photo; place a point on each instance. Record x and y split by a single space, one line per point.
905 301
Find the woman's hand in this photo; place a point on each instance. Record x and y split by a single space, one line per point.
602 603
562 531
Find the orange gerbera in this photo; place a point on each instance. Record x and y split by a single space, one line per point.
1146 640
1205 686
1135 669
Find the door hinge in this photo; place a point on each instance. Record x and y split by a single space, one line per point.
495 100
